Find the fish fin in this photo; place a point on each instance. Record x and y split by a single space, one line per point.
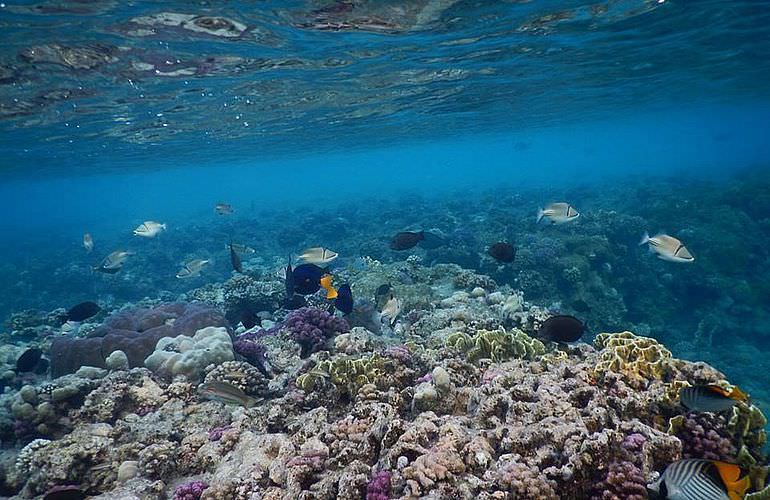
331 293
645 238
540 214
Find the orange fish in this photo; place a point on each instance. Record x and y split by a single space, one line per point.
326 283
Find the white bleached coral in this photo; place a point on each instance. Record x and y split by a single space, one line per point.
189 356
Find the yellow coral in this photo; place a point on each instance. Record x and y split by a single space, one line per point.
497 345
347 373
747 426
636 358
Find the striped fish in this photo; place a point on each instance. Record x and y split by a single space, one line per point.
711 398
696 479
667 247
558 213
226 393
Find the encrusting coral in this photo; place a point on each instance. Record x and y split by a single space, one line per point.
498 345
639 359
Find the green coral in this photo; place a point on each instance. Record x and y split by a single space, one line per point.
497 345
747 426
347 373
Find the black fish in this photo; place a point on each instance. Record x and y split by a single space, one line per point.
406 240
562 328
29 360
83 311
502 252
295 302
307 278
289 281
235 259
344 300
432 241
65 493
249 319
382 296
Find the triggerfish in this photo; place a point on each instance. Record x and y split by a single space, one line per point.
406 240
317 255
223 209
192 269
558 213
710 398
149 229
667 247
698 479
113 262
326 284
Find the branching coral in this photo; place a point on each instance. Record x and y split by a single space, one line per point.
700 436
497 345
638 359
311 328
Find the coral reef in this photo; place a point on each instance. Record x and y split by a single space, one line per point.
311 327
498 345
189 356
638 359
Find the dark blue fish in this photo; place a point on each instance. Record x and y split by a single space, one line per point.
307 278
295 302
83 311
289 281
29 360
344 300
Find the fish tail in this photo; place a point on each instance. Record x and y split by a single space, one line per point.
249 402
645 238
540 214
331 293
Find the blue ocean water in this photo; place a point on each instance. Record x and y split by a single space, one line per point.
339 123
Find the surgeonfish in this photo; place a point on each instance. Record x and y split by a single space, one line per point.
235 259
562 328
344 300
149 229
317 255
31 360
192 268
391 310
88 242
326 284
710 398
223 209
502 252
305 279
113 262
558 213
667 247
698 479
226 393
406 240
83 311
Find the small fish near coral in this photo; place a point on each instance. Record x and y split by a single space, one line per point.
502 252
304 279
32 361
149 229
83 311
223 209
235 260
192 269
667 247
406 240
710 398
557 213
696 479
326 284
344 300
562 328
226 393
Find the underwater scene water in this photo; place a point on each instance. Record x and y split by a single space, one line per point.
368 249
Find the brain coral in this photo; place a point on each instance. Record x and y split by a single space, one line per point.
188 356
638 359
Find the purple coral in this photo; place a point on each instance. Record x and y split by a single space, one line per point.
634 442
253 352
190 491
700 438
624 481
379 486
400 353
311 327
215 434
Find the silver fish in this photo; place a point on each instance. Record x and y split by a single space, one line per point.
391 310
115 260
223 209
558 213
149 229
192 268
226 393
88 242
317 255
667 247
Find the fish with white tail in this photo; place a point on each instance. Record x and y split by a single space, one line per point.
667 247
149 229
192 269
558 213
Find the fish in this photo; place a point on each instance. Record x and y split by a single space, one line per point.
317 255
667 247
391 310
242 249
431 241
192 268
558 213
562 328
149 229
67 492
326 284
288 280
226 393
113 262
88 242
83 311
306 278
344 300
223 209
710 398
382 296
29 360
249 319
295 302
698 479
406 240
502 252
235 259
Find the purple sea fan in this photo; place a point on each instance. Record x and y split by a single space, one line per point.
190 491
379 486
311 328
